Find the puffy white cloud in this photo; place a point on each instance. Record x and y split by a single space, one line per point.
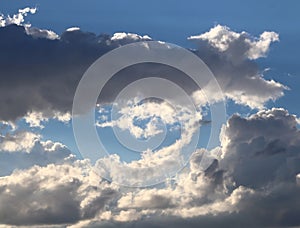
18 19
251 180
36 119
261 149
225 192
129 36
168 159
20 141
152 112
41 33
222 38
23 149
230 56
253 183
62 194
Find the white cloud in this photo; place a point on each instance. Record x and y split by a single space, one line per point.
63 194
18 19
252 177
168 159
214 193
71 29
222 38
20 141
129 36
23 149
36 119
151 111
230 55
41 33
266 142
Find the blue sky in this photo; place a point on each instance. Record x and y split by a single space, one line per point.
164 20
252 166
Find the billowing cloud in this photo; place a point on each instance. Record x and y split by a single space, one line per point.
62 194
230 56
48 79
36 119
166 158
264 145
22 150
262 149
21 141
225 40
251 180
19 18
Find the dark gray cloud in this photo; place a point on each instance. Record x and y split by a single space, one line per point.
40 72
250 183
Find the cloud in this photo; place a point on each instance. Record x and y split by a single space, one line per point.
48 79
41 33
18 19
230 56
151 113
62 195
251 180
36 119
21 149
72 29
225 40
125 38
264 145
156 161
21 141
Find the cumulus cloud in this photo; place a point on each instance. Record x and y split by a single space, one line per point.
151 113
48 79
223 39
19 18
125 38
230 56
23 149
166 158
36 119
262 149
251 180
264 145
21 141
63 194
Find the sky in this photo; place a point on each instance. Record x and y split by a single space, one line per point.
196 125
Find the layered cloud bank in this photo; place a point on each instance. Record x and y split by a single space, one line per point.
251 182
252 179
46 81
